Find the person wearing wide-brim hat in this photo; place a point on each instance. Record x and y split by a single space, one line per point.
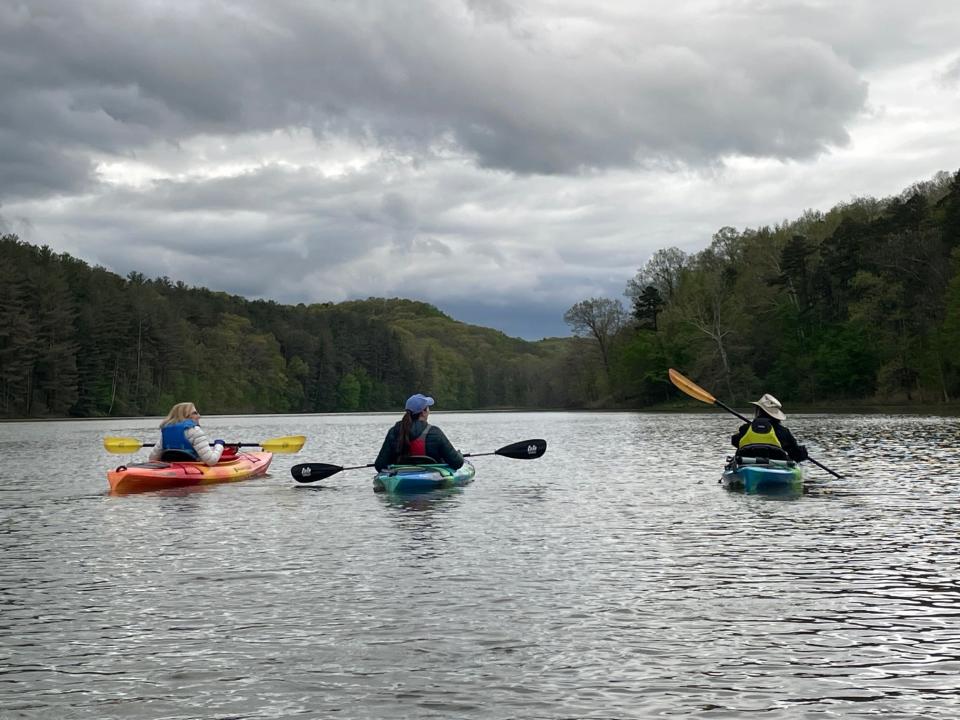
413 439
766 432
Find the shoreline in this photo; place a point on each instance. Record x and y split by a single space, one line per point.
853 408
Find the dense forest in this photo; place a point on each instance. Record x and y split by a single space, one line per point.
860 303
82 341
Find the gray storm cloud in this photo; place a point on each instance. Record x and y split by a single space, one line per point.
506 88
500 158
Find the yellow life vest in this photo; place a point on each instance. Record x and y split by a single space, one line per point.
760 432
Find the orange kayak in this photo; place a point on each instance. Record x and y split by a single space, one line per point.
143 477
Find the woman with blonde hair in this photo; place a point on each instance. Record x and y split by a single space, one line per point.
182 439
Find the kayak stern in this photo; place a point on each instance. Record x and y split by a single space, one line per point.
422 478
759 476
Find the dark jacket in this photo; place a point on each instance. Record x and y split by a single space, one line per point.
787 441
438 447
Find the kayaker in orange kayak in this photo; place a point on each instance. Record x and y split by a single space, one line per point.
765 434
182 439
414 437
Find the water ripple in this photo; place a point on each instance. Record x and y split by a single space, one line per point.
613 578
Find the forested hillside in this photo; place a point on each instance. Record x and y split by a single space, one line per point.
861 302
82 341
858 303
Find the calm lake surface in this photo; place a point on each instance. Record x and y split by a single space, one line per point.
612 578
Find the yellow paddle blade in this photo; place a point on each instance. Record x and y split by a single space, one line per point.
121 445
690 387
288 444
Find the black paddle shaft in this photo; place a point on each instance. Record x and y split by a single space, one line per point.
523 450
311 472
818 464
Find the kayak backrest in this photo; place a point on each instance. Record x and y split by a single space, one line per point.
744 461
417 460
769 452
177 456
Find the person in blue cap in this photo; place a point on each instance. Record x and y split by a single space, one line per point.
414 439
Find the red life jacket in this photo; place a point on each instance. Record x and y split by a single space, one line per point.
418 446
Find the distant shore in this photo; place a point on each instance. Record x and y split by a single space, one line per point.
838 408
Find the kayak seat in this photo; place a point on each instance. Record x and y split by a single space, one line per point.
766 452
416 460
177 456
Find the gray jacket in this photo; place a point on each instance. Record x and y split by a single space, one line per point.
438 447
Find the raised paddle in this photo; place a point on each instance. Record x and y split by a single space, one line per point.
287 444
523 450
698 393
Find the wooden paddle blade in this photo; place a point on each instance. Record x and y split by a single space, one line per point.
690 387
311 472
121 445
524 450
289 444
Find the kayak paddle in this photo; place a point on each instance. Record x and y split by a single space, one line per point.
310 472
698 393
287 444
523 450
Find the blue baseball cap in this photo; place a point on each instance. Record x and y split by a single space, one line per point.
418 403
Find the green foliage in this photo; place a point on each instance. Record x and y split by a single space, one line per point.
349 391
84 341
844 362
599 318
18 343
639 371
860 302
646 307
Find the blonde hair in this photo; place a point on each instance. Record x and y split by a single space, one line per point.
179 413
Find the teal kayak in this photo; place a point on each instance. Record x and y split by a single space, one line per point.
762 476
422 478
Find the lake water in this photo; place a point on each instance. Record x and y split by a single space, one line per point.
612 578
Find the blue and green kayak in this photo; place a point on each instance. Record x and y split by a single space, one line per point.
422 478
762 476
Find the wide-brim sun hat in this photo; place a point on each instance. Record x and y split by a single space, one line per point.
771 406
418 403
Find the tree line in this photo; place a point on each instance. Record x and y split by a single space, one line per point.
858 303
861 302
82 341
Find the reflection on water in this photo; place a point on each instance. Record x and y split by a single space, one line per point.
421 502
612 578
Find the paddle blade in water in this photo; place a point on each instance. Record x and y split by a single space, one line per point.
289 444
690 387
524 450
311 472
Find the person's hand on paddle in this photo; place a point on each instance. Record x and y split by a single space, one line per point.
688 387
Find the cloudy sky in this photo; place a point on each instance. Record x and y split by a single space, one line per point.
501 159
